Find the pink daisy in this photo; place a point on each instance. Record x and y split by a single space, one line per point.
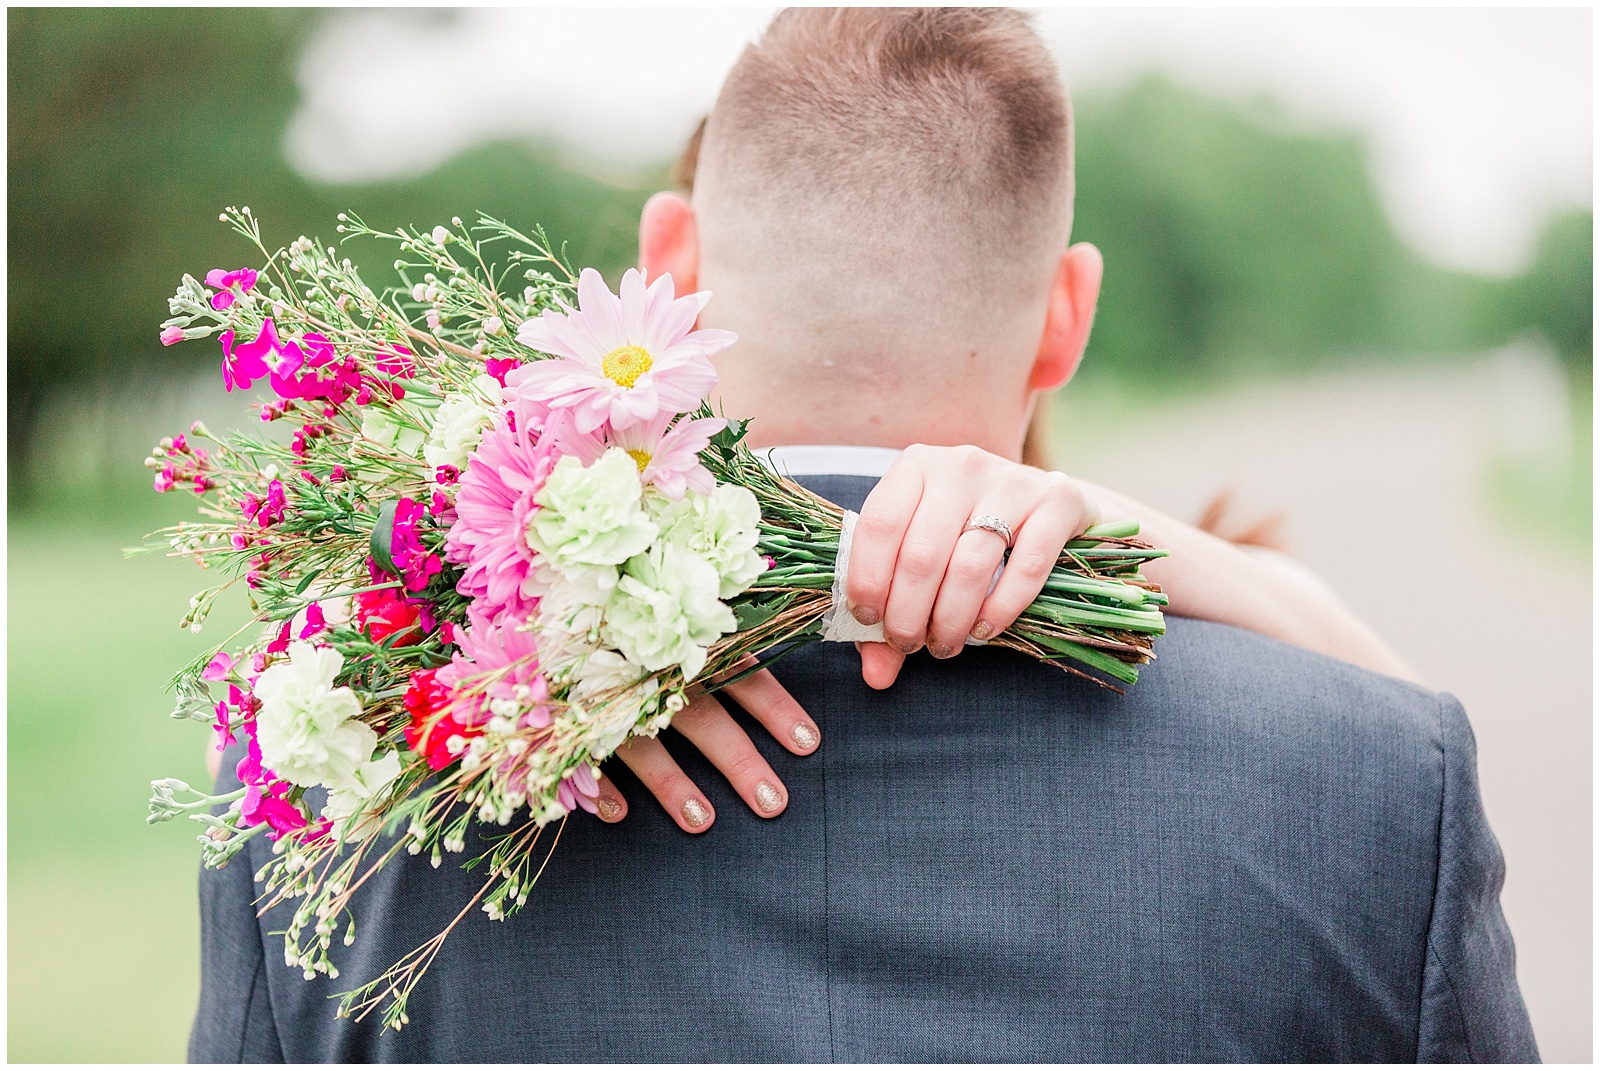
496 646
620 359
493 503
669 458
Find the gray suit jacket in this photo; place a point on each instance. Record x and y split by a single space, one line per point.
1256 854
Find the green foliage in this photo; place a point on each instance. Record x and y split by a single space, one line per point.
1556 296
1234 241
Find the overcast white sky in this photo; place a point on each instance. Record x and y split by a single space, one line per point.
1480 121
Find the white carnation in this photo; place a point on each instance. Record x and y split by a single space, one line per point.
624 688
666 611
574 601
310 732
370 779
723 528
460 422
591 516
381 428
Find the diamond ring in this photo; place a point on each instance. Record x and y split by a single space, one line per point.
987 523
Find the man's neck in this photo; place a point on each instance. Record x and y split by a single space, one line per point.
890 427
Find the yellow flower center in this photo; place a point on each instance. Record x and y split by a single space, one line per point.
625 364
640 457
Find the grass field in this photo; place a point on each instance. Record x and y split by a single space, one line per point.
103 929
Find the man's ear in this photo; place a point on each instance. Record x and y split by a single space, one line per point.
669 243
1073 295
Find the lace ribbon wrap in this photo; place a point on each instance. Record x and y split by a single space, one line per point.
839 624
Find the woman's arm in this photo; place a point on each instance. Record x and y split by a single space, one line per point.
916 567
1253 588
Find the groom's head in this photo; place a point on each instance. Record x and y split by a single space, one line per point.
881 203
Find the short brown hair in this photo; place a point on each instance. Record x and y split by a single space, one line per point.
960 107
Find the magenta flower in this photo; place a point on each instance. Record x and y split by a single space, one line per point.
493 503
222 727
280 643
267 804
315 621
218 668
308 368
410 556
243 365
264 793
311 368
399 363
620 360
499 366
171 336
225 281
669 458
268 511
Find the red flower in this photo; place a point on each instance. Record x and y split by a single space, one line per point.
381 614
432 724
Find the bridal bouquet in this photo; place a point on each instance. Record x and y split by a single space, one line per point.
489 529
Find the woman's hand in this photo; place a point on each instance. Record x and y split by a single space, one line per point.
709 727
916 567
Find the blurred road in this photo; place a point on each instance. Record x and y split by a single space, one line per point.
1369 461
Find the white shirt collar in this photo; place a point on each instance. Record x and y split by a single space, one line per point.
873 461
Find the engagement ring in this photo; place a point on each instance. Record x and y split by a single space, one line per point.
988 523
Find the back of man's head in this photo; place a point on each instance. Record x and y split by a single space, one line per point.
885 192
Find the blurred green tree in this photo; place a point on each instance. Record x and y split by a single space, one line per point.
1556 296
1233 240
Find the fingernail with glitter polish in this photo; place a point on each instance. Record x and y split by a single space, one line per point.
939 650
696 813
982 630
768 798
866 615
903 646
609 808
804 736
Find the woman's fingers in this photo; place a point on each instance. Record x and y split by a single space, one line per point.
1038 546
656 770
919 571
711 729
610 806
885 516
880 664
706 725
966 583
770 703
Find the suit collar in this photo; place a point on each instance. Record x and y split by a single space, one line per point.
808 460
